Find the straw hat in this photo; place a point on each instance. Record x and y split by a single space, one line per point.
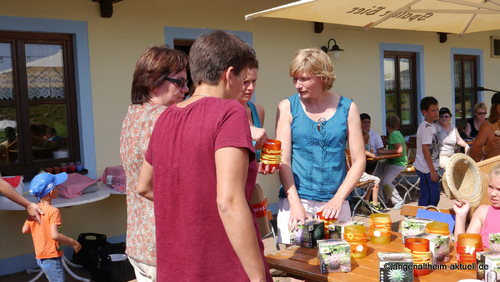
463 179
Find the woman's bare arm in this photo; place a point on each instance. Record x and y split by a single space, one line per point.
145 184
8 191
284 134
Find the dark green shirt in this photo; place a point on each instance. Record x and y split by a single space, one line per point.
395 138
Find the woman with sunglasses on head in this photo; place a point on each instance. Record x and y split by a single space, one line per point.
448 137
473 124
201 165
314 126
487 143
159 81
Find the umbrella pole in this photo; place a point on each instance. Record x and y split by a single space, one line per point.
467 26
404 8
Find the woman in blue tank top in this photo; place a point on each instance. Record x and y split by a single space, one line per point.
255 112
313 127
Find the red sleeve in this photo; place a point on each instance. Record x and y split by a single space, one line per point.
233 129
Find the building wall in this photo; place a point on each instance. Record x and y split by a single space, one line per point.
114 45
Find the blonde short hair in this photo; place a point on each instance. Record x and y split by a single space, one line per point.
315 62
480 105
495 172
366 135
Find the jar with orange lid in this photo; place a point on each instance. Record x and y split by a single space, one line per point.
467 246
271 153
419 249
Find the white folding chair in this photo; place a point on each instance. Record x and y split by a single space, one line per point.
271 228
361 186
408 178
65 263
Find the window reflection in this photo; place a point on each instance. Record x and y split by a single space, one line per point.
41 93
6 75
8 146
49 131
44 66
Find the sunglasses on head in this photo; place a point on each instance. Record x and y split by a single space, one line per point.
180 82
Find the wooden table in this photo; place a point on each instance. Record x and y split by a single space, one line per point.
303 263
382 157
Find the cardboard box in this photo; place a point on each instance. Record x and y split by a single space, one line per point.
259 206
495 242
411 227
439 245
336 230
334 255
488 266
308 234
395 267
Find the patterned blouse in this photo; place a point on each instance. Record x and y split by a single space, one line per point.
136 131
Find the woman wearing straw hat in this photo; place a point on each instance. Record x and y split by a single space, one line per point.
448 137
485 218
487 143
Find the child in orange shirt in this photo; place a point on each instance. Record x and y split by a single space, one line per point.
47 236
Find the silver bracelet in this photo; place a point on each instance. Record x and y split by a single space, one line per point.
484 153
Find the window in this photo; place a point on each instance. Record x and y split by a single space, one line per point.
465 72
495 47
400 89
184 45
38 113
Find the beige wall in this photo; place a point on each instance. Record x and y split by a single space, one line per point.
116 43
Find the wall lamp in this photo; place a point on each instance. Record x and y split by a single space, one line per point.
480 88
494 98
335 48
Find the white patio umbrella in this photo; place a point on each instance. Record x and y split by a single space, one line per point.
7 123
447 16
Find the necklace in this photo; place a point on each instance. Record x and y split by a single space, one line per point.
203 95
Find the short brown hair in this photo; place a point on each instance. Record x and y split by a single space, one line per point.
316 62
212 53
393 121
155 63
426 103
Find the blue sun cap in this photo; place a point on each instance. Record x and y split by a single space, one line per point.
43 183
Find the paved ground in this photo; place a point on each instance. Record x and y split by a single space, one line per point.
268 242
